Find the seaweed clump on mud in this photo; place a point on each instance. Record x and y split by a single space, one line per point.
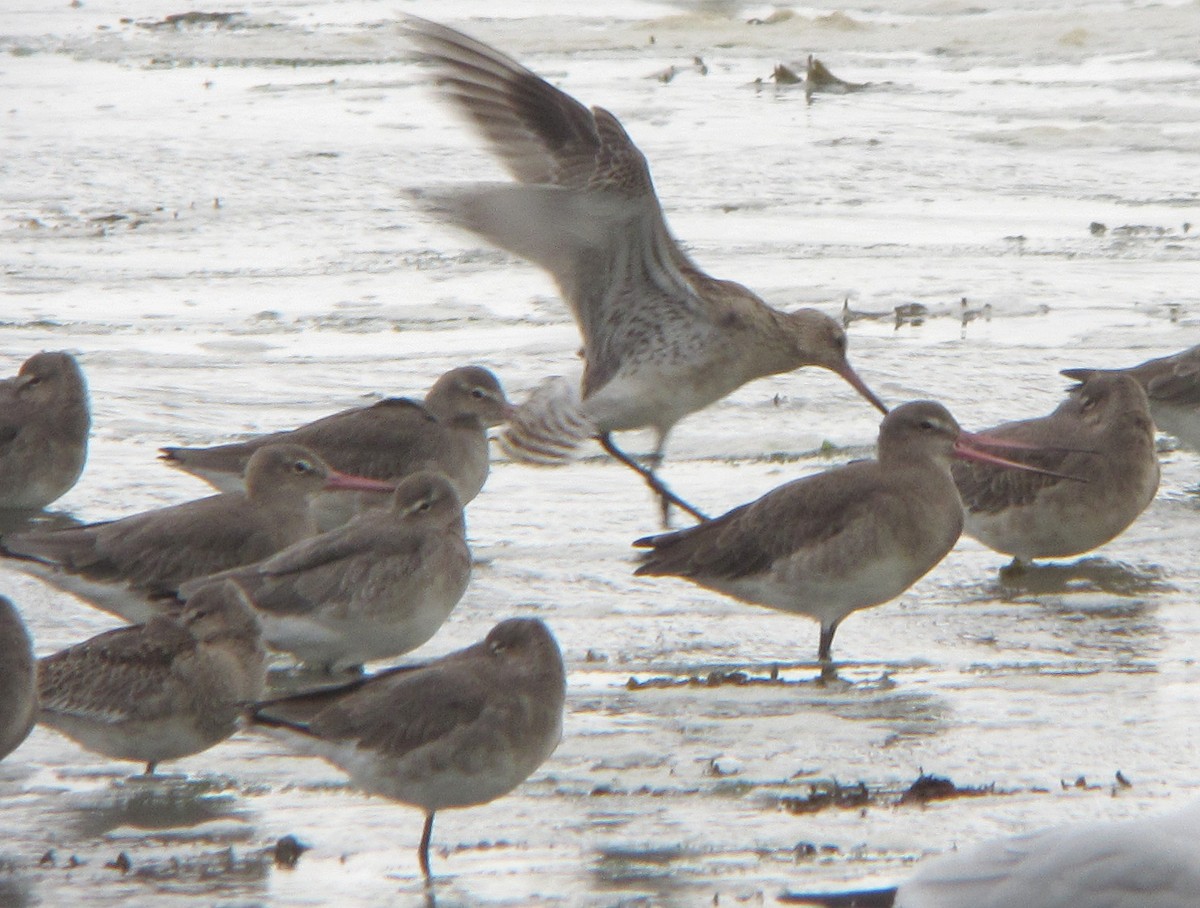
926 788
714 678
825 795
929 787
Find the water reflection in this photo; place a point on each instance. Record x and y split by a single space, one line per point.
18 521
15 890
1088 574
151 803
658 871
208 872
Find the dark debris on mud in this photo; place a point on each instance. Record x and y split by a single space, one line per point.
714 678
777 674
832 794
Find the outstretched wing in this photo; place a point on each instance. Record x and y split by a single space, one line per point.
584 207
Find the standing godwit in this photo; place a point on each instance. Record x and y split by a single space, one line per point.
447 432
1101 433
846 539
459 731
44 424
375 588
160 690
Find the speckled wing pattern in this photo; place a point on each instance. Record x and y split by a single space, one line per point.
541 134
587 210
115 676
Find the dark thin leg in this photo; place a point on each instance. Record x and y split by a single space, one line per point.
824 653
666 496
1014 573
423 850
150 767
826 645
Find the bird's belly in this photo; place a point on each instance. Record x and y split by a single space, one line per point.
828 598
145 741
460 771
1181 422
1063 520
337 638
654 396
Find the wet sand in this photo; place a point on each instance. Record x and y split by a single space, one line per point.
214 220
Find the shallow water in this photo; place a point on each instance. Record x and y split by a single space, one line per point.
215 220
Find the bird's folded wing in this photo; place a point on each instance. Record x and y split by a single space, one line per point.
119 675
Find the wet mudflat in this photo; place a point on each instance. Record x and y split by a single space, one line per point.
213 216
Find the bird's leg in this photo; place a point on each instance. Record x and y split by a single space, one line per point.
423 848
666 496
825 647
1014 569
825 653
828 674
654 461
150 767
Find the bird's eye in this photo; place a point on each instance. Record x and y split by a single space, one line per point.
33 381
425 505
926 426
478 393
302 466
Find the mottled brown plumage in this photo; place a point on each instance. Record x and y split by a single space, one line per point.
1103 434
44 424
161 690
459 731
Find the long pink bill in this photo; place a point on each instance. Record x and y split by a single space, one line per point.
851 378
339 480
970 447
1007 444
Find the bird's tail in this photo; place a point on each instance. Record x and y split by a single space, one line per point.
548 427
